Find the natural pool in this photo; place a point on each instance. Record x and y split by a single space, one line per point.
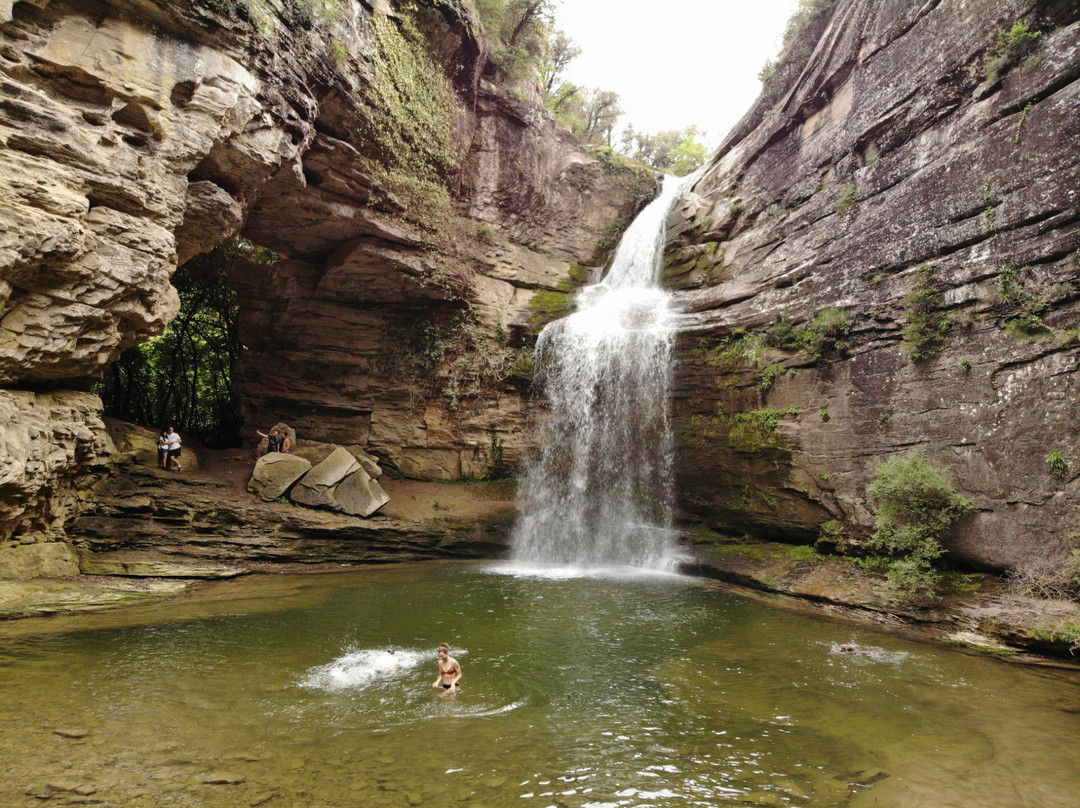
656 691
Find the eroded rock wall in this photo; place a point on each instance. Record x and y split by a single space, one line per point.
134 135
882 258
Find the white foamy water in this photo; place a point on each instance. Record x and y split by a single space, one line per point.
359 669
611 572
599 494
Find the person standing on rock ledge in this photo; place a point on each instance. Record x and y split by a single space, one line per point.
163 449
173 441
276 441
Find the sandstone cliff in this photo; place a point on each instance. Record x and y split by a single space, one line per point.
883 257
418 207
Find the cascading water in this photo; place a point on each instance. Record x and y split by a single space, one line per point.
599 494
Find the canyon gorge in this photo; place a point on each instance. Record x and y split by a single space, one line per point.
880 258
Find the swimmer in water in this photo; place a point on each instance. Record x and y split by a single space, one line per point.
449 671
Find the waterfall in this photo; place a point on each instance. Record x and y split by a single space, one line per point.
599 493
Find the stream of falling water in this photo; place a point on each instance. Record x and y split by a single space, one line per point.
599 493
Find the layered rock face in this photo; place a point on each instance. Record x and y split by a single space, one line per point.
882 258
136 135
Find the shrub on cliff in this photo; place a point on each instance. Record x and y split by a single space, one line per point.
916 503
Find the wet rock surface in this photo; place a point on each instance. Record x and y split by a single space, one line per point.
203 524
137 135
882 257
977 611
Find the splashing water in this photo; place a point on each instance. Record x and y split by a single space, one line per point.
599 494
360 668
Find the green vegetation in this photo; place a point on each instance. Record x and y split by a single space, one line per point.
456 358
768 376
308 20
409 135
548 305
452 356
1023 304
524 46
924 333
632 175
675 151
827 332
1065 636
527 49
1059 466
738 350
1012 44
524 363
848 203
832 533
609 238
497 468
1023 119
755 430
916 503
805 14
748 431
184 376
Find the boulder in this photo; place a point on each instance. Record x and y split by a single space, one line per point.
340 482
360 495
317 452
274 473
40 560
317 487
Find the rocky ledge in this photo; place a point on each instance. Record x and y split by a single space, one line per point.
978 610
155 534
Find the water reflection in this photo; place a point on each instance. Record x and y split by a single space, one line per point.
642 692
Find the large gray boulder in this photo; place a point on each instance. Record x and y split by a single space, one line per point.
340 482
360 495
317 452
317 487
274 473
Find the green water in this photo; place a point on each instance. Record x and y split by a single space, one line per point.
647 692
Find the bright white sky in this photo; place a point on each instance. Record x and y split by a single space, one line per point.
675 62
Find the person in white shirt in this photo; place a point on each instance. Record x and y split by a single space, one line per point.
174 442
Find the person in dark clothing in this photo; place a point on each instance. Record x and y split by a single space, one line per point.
275 441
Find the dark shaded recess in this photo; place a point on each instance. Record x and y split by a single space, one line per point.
1057 13
183 377
209 170
182 93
